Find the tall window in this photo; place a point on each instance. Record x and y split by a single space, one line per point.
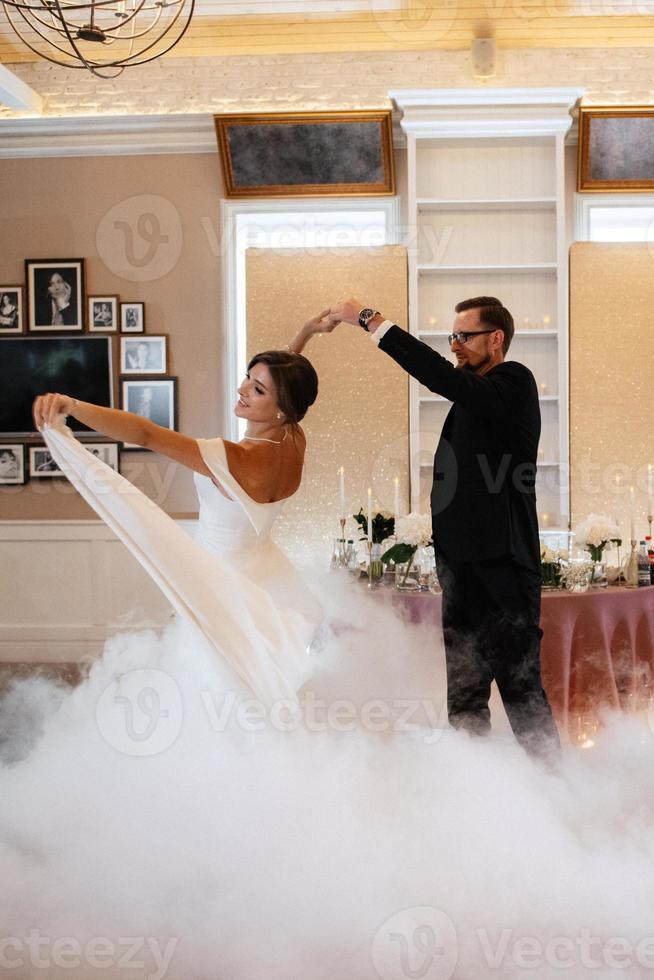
616 218
278 225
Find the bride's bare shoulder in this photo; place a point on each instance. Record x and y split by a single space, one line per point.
267 471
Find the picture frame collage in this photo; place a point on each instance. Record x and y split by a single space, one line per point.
53 301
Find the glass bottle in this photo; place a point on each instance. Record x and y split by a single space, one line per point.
650 554
643 565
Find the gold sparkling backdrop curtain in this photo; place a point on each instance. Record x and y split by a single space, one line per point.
361 418
611 378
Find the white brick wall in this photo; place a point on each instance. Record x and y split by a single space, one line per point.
313 81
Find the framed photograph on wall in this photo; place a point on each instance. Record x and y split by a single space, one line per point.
616 149
106 451
285 154
102 314
55 294
152 398
42 465
144 355
132 317
11 310
12 464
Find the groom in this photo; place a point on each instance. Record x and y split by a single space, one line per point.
483 504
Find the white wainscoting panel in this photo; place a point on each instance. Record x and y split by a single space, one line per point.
65 586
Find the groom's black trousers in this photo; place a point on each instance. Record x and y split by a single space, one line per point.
491 614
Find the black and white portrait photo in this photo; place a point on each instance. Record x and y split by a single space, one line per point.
12 464
55 290
132 317
103 314
11 309
145 355
105 451
42 465
154 400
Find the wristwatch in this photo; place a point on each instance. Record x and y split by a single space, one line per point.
365 316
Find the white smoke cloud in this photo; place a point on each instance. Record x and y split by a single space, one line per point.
363 839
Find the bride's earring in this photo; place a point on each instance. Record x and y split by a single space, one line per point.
279 415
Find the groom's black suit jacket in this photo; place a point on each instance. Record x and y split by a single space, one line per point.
483 498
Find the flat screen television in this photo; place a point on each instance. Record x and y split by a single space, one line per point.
31 366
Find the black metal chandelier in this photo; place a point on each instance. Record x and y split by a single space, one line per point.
102 36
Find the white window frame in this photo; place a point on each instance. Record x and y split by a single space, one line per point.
584 203
231 212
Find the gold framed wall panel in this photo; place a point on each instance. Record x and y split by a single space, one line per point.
616 149
302 154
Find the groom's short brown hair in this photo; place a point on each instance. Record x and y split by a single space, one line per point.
492 313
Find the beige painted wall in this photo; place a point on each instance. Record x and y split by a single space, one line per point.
55 208
611 370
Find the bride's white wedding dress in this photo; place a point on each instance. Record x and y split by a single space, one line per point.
232 582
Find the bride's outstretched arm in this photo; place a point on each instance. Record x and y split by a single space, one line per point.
122 426
323 323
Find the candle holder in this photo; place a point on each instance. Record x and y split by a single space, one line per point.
620 577
631 570
343 544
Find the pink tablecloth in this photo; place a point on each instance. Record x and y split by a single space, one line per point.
597 649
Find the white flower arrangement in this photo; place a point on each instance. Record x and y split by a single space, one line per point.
549 556
596 532
414 530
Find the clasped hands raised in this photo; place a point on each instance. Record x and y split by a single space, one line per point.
347 311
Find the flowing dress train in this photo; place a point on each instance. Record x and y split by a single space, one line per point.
232 582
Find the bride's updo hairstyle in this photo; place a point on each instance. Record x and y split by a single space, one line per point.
295 380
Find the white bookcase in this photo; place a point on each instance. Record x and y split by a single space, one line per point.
486 217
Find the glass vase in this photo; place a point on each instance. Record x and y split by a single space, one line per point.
375 565
578 577
407 576
598 577
550 572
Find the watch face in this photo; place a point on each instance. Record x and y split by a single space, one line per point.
365 316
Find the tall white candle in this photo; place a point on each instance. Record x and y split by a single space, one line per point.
396 502
632 513
370 514
618 503
341 474
650 495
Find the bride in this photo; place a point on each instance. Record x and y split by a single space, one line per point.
232 583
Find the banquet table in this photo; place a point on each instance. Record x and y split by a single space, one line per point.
597 649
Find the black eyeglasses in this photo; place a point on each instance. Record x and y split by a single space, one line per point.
463 335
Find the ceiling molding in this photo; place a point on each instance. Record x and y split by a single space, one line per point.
84 136
88 136
486 112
